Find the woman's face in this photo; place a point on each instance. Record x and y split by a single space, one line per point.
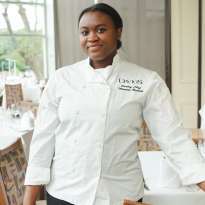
98 37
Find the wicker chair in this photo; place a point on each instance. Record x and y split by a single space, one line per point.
13 94
12 173
146 142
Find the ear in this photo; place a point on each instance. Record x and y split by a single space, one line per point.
119 32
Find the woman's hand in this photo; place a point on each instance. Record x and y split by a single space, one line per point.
202 185
31 193
128 202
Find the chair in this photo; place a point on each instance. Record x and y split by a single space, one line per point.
12 174
128 202
28 105
146 142
13 94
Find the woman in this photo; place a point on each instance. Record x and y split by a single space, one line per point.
84 144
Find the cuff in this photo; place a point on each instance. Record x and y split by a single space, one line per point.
37 176
193 174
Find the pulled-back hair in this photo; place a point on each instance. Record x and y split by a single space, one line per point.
110 11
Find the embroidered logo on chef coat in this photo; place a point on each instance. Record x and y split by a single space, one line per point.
130 84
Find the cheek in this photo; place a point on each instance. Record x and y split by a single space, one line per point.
112 40
113 43
82 43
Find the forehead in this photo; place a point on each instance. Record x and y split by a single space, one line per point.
95 18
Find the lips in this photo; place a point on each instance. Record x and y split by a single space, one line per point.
94 46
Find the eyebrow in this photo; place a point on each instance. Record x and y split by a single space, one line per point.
85 27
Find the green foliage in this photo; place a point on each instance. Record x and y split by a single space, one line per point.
27 51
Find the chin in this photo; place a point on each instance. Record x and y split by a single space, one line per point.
97 57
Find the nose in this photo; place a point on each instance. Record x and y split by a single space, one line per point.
92 36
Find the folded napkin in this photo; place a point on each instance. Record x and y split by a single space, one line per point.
27 121
31 92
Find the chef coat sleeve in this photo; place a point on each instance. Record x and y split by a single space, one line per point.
202 114
166 128
43 140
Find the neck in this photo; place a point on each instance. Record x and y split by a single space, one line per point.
96 64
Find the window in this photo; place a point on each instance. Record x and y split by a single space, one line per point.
27 36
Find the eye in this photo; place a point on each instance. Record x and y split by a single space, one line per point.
84 33
101 30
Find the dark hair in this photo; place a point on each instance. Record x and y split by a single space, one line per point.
110 11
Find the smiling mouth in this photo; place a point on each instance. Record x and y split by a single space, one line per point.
94 47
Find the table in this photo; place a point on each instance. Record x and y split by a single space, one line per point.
10 132
174 197
156 179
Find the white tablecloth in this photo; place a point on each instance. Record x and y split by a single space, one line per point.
10 131
158 174
174 197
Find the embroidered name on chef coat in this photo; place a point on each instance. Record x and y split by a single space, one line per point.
130 84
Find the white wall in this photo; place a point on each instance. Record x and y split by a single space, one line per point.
185 58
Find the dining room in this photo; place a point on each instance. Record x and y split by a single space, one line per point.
85 110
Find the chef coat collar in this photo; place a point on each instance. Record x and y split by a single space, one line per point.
94 77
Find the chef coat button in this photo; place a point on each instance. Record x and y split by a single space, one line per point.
84 86
99 146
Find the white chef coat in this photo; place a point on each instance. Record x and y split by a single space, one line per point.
84 143
201 144
202 114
